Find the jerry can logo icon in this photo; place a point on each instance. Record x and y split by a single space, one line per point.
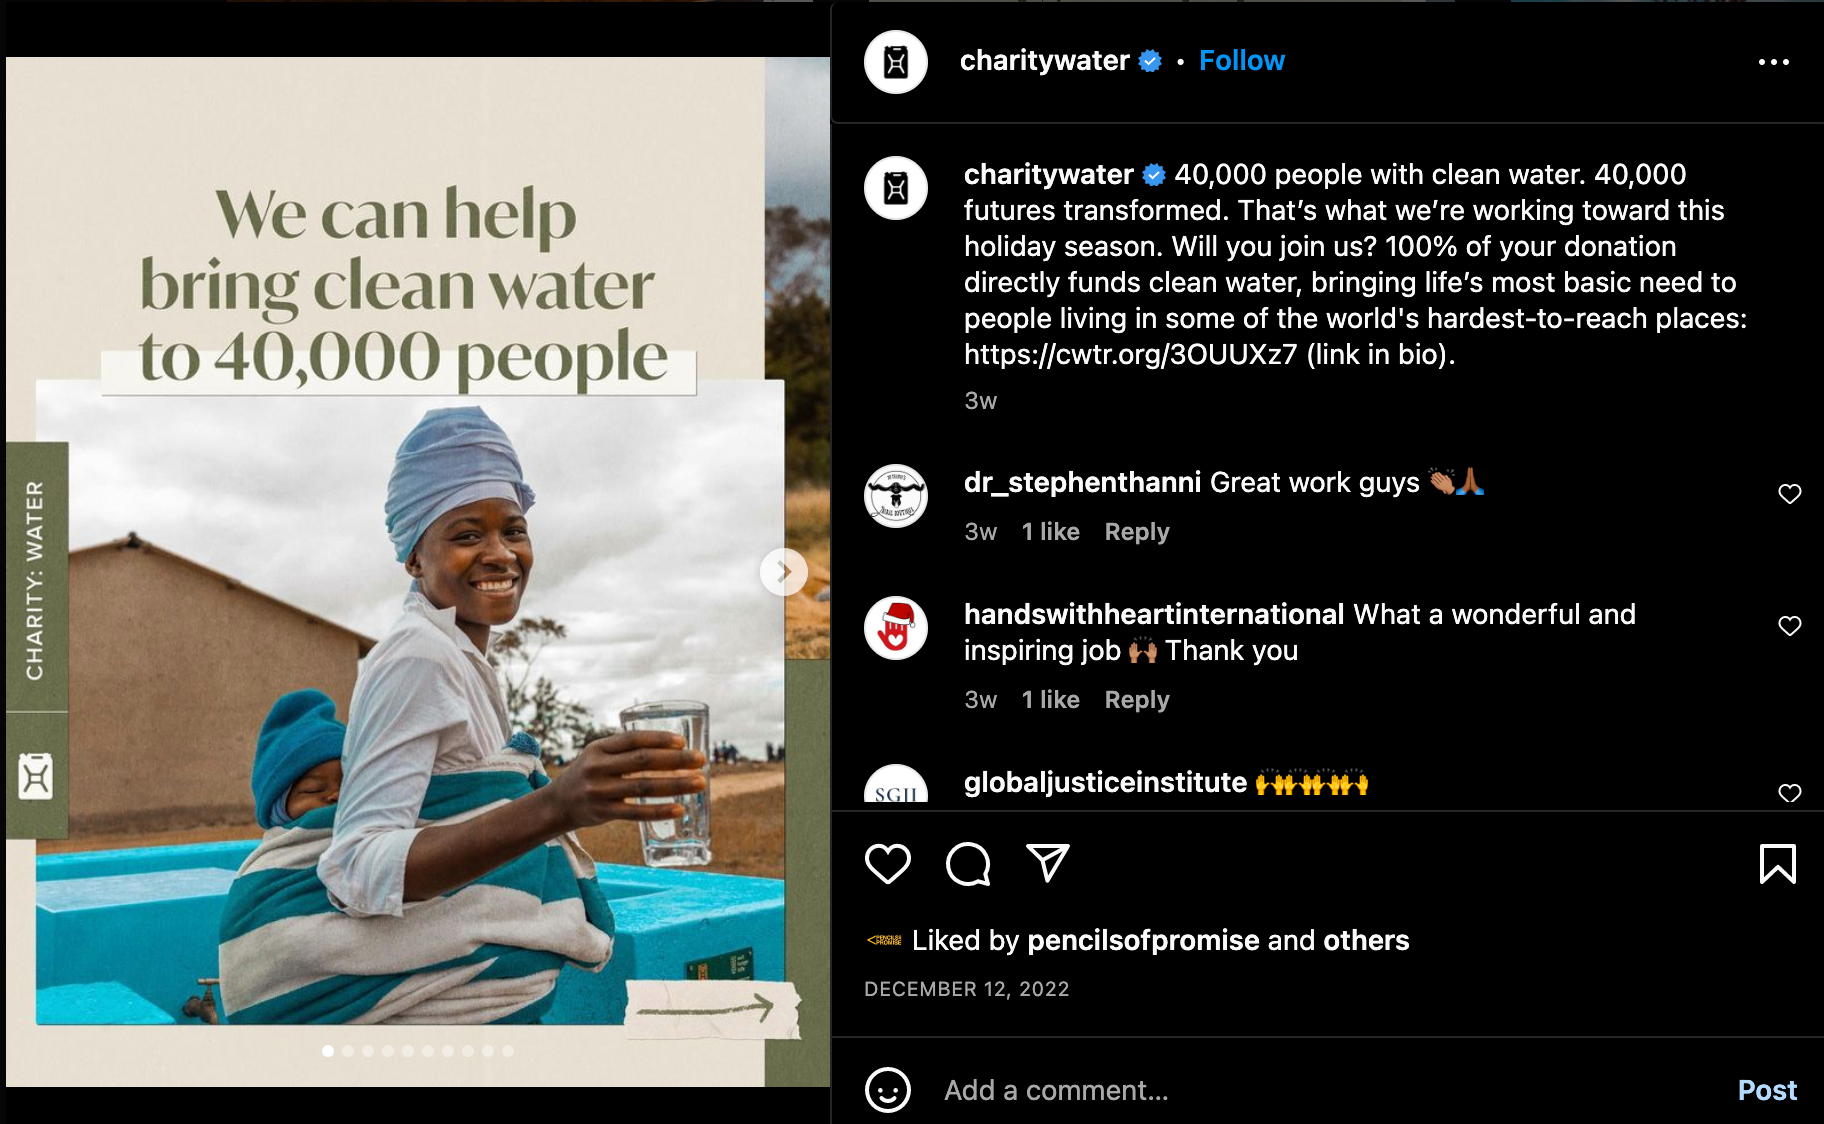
35 776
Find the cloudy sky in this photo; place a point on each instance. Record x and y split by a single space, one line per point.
651 519
798 134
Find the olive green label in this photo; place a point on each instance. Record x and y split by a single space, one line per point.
37 640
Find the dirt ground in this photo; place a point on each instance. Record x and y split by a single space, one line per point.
747 827
746 824
807 531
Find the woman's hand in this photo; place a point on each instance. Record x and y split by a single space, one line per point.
596 786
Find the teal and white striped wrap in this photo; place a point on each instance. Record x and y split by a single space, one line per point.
486 952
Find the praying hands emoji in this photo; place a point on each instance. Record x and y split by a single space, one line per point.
1442 483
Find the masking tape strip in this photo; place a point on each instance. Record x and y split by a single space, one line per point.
711 1009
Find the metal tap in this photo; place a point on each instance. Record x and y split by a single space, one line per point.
203 1008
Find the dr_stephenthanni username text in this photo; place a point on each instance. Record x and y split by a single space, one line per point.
1219 482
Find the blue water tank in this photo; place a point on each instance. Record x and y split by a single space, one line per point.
146 920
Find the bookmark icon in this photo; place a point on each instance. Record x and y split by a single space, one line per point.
1780 858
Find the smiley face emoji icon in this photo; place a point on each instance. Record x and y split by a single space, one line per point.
888 1089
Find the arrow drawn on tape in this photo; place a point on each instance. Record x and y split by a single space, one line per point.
764 1006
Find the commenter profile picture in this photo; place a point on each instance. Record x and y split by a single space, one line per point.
895 784
896 628
895 496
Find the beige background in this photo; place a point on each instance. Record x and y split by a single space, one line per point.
108 161
111 160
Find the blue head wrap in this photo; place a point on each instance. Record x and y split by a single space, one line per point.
452 457
300 733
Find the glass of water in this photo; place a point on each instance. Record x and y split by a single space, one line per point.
684 841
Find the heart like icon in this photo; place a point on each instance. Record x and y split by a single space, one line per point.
885 849
1790 792
1790 625
1790 492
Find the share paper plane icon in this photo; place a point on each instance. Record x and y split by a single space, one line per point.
1050 856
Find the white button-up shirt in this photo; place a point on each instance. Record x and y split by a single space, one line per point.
425 701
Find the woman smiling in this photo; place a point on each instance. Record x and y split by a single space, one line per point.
446 884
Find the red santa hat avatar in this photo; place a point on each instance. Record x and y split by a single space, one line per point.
897 628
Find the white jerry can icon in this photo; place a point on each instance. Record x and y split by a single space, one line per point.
34 776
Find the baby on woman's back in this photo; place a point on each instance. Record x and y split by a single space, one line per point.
297 762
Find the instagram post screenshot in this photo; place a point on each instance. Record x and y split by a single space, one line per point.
1224 739
417 573
424 495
